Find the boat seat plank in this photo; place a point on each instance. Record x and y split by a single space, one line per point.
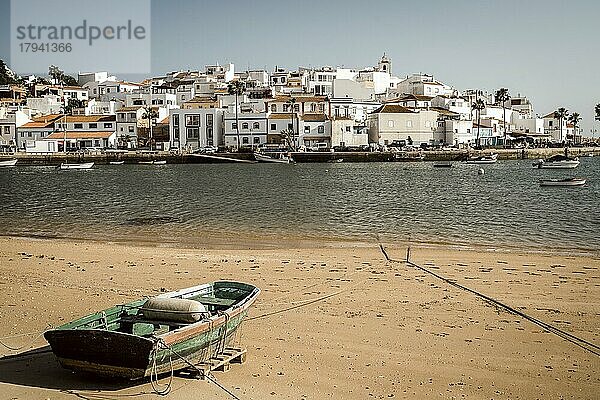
214 301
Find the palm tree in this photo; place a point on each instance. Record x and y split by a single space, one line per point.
502 96
150 114
237 88
560 115
292 102
574 119
478 105
597 110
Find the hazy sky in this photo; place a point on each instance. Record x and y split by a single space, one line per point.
547 50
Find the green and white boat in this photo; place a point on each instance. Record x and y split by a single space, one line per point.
157 335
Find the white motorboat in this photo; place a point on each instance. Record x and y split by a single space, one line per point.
563 182
153 162
8 163
283 159
442 164
64 166
116 162
484 159
557 161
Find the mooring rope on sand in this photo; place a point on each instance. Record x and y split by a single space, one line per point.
582 343
29 345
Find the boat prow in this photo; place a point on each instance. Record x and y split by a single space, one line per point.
66 166
8 163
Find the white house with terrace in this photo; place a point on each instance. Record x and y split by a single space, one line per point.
192 129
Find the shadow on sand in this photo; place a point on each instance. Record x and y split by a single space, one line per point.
40 368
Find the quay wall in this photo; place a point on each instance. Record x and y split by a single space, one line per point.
300 157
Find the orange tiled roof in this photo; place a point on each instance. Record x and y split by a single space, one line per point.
80 135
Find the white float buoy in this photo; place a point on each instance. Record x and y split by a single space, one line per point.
481 171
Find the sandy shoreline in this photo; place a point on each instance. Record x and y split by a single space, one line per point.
390 330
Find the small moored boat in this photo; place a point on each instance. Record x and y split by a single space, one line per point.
8 163
484 159
153 162
157 335
116 162
64 166
282 159
442 164
557 161
563 182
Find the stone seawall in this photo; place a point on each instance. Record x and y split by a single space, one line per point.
300 157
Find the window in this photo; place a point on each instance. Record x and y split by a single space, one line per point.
297 107
78 126
313 107
176 133
273 107
409 123
321 129
347 129
234 125
321 107
108 124
193 133
390 123
132 115
290 127
209 134
550 123
275 80
256 125
307 129
256 139
273 127
286 107
468 130
93 125
130 129
175 119
244 140
192 120
209 120
245 125
138 102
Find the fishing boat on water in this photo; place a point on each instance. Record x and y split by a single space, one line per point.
157 335
282 159
8 163
116 162
483 159
442 164
557 161
65 166
563 182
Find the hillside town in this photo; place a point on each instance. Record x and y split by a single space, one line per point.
220 108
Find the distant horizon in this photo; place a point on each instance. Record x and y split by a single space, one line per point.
544 50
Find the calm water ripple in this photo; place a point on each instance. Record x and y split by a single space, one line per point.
190 204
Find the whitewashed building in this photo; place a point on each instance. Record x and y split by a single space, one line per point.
392 122
191 129
253 129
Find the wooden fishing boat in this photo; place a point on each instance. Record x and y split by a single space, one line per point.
157 335
557 161
563 182
8 163
65 166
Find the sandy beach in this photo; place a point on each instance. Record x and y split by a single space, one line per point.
338 321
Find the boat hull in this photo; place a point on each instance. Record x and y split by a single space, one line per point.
64 166
559 165
8 163
563 182
263 158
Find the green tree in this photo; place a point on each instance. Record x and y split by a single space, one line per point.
59 78
73 104
478 105
561 114
236 88
6 75
502 96
575 118
597 110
